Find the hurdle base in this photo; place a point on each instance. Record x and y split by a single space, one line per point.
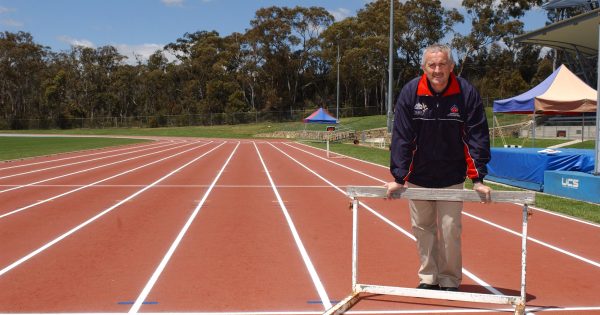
352 299
343 305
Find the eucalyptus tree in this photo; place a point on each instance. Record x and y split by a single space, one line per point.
206 61
22 65
364 42
420 24
491 21
286 39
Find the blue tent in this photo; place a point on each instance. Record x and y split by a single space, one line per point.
524 103
320 116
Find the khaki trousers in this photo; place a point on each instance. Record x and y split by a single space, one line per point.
437 227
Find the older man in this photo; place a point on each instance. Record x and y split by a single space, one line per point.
440 137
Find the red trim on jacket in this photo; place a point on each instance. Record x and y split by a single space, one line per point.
472 171
412 164
423 87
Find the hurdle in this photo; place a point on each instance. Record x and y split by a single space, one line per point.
354 192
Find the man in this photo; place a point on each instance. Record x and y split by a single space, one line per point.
440 137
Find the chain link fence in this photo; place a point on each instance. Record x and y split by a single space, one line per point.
155 121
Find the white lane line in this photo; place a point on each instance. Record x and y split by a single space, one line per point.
382 166
560 250
75 163
97 216
305 257
94 183
565 216
15 187
148 287
175 186
366 312
82 155
408 234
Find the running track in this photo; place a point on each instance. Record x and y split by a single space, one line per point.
252 227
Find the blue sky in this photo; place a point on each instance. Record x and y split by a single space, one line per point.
142 26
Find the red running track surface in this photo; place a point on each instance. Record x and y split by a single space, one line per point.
252 227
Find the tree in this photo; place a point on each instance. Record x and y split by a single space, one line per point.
491 21
20 95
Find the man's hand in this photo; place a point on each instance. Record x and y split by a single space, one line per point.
392 187
483 189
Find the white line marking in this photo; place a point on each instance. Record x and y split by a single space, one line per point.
565 216
366 312
382 166
174 186
144 294
469 274
88 169
94 183
589 261
94 218
305 257
157 144
75 163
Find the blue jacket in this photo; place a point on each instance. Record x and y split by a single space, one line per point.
439 140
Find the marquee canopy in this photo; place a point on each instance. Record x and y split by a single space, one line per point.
320 116
560 93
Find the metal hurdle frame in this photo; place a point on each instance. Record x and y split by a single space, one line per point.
524 197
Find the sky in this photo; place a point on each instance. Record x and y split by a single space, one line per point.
140 27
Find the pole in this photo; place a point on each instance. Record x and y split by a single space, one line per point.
337 100
390 93
596 166
493 129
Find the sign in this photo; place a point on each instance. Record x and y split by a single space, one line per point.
575 185
330 128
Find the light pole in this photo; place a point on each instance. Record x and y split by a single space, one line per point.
390 69
337 98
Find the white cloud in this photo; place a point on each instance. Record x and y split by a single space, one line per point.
452 4
173 3
141 52
76 42
132 52
11 22
340 13
6 10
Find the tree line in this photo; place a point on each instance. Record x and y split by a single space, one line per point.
286 61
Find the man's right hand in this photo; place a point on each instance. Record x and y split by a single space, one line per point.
392 187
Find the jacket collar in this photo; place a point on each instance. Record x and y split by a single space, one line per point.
424 90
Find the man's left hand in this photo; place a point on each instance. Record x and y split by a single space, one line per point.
483 189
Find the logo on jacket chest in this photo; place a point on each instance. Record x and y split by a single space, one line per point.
420 109
454 112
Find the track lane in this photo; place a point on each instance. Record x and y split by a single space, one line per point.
374 267
20 197
376 248
236 252
501 236
504 215
52 170
106 260
66 156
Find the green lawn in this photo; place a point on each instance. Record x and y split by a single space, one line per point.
221 131
22 147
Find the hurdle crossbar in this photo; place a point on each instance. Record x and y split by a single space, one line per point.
523 197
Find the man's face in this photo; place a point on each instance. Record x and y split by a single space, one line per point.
437 68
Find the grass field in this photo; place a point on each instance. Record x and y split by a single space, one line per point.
23 147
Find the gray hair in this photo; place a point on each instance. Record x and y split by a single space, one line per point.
437 48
